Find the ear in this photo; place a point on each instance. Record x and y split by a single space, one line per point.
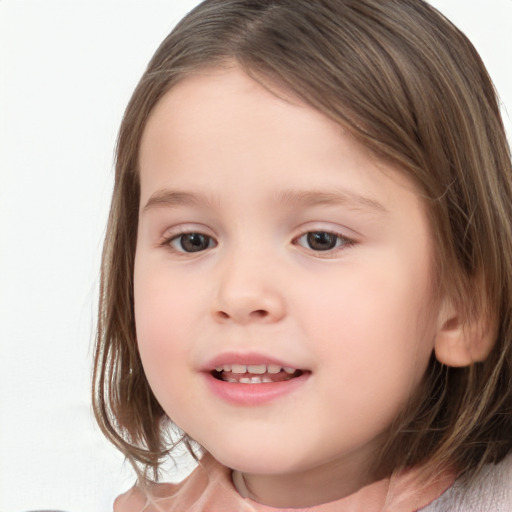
461 342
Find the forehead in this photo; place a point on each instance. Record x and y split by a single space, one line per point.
206 103
220 124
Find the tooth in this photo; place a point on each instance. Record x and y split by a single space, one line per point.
258 369
219 368
227 367
231 380
266 379
289 370
250 380
273 368
239 368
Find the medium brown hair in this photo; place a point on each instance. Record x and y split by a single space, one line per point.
410 87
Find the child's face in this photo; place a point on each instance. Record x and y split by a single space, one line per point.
268 236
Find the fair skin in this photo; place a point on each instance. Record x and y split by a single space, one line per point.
267 234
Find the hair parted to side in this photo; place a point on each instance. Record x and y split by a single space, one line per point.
411 88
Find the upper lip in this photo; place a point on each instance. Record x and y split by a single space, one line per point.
249 358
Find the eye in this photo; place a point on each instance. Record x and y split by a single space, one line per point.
191 242
322 241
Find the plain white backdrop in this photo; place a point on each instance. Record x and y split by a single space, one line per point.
67 69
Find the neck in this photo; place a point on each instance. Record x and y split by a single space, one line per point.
314 487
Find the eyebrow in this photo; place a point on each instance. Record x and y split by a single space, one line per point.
171 198
346 198
289 198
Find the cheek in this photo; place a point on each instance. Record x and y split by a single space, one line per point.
166 321
161 321
372 358
373 324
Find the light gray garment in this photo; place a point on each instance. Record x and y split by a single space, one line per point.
491 492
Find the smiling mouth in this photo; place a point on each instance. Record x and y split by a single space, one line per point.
255 374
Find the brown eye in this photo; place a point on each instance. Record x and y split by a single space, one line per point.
322 241
192 242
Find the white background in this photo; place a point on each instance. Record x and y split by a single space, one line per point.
67 69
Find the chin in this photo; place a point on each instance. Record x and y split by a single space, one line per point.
257 460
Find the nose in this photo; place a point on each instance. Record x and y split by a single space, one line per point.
249 291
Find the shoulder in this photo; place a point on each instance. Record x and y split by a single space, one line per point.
137 499
131 501
208 487
490 490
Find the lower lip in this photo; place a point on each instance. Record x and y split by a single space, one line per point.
254 394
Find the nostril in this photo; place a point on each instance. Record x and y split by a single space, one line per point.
259 313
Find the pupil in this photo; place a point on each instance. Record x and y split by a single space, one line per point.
194 242
321 241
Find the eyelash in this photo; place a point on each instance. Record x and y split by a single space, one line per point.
169 241
341 242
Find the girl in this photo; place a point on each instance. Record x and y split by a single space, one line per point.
308 266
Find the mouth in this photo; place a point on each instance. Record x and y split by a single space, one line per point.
252 379
255 373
